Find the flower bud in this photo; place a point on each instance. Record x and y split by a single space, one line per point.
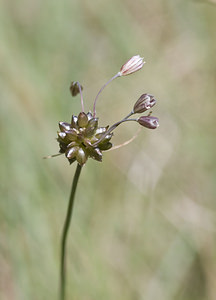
82 119
71 134
81 156
134 64
71 152
105 146
64 126
93 123
74 120
61 135
91 127
96 154
100 131
148 122
74 88
89 115
144 102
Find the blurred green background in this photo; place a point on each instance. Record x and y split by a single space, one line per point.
144 224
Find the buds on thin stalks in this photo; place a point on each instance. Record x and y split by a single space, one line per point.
82 138
134 64
148 122
144 103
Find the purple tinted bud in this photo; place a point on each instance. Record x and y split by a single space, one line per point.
148 122
144 102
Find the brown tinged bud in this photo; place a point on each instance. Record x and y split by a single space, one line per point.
148 122
144 102
134 64
71 152
81 156
64 126
72 134
91 127
74 88
82 120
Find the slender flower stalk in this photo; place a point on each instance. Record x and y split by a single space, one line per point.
130 114
112 128
81 96
65 232
134 64
76 88
103 87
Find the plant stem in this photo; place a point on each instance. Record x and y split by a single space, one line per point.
114 126
103 87
81 96
65 232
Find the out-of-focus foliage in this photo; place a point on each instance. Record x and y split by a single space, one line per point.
144 220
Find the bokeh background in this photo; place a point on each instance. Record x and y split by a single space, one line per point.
144 223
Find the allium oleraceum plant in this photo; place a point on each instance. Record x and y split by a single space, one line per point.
82 138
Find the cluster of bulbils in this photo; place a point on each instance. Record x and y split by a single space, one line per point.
80 139
83 138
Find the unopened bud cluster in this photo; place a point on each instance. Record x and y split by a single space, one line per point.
76 139
82 138
144 103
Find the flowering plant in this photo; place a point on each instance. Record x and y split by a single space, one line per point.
82 138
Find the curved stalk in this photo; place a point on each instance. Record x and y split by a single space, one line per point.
65 232
81 95
113 127
94 106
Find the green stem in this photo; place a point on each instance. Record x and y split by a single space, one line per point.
113 127
65 232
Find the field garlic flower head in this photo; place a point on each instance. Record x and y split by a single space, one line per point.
76 139
82 138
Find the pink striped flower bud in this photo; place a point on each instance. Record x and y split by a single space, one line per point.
148 122
144 102
134 64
